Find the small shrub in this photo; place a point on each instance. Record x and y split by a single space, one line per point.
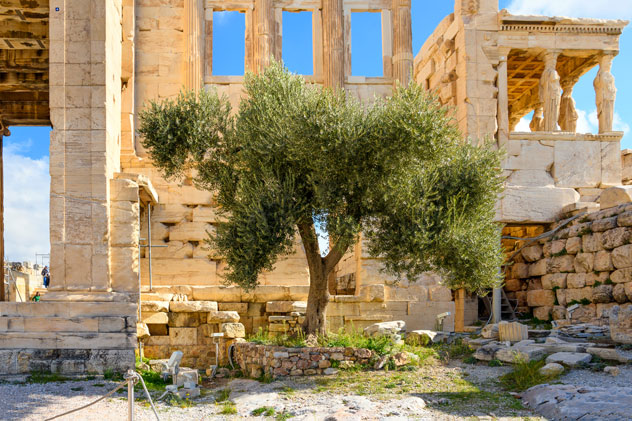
585 301
456 349
495 363
596 284
265 378
608 282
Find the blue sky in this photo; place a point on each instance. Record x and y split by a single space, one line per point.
26 150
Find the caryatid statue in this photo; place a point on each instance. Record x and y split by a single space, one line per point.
536 121
568 112
550 92
605 94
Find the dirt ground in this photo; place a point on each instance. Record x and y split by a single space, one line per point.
454 391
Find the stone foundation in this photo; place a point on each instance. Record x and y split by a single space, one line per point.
65 361
256 360
588 262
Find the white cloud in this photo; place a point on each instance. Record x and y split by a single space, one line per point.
523 125
603 9
26 204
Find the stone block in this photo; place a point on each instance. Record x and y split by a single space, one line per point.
615 196
183 336
154 306
621 324
532 155
518 353
573 245
512 285
154 317
558 313
603 261
578 294
238 307
602 294
423 315
570 158
592 242
561 264
439 293
625 219
554 280
532 253
618 293
584 262
190 231
560 294
534 204
222 317
621 276
569 359
372 293
558 247
538 268
576 280
217 293
616 237
183 319
520 270
622 256
233 330
192 306
543 312
540 297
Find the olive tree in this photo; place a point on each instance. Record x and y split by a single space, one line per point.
296 158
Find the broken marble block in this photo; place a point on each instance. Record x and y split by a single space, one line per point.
186 375
512 331
569 359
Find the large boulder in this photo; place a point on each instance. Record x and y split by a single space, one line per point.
425 337
621 324
385 328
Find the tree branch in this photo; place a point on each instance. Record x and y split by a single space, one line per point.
310 242
334 256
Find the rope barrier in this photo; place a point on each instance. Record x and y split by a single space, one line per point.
131 379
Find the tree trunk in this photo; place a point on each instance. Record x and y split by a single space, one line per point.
319 270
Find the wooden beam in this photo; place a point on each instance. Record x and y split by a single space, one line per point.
459 317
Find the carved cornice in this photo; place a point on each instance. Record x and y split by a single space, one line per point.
578 29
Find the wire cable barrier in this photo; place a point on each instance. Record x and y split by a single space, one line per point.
131 379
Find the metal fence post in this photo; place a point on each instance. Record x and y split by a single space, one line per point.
130 396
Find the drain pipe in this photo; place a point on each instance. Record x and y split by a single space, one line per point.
496 305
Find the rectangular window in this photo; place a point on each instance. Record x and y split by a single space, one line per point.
298 43
366 44
229 43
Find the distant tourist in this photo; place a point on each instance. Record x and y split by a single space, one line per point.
36 297
46 275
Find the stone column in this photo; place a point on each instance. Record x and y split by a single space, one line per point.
208 42
85 110
503 100
193 23
402 41
264 33
568 113
550 92
605 93
333 44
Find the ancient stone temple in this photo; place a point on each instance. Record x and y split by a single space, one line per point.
128 246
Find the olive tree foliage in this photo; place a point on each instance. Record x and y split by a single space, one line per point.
295 156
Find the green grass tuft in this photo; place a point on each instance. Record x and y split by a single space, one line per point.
265 411
525 374
228 408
